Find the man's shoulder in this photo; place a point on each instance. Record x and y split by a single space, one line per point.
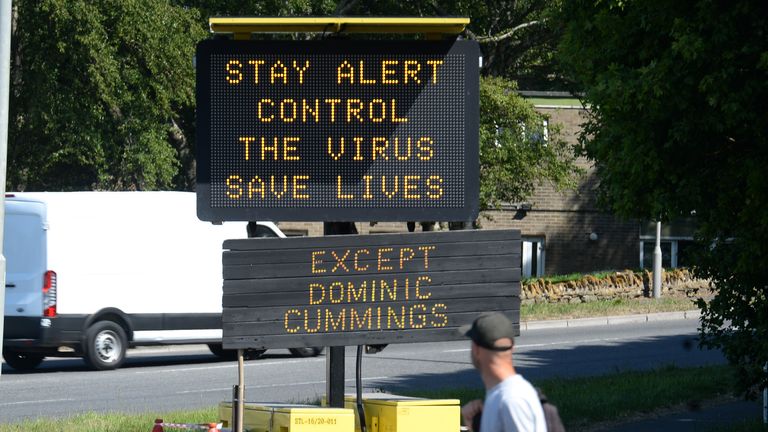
517 385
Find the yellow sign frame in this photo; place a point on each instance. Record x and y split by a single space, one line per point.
243 27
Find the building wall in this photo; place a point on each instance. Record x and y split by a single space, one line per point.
565 219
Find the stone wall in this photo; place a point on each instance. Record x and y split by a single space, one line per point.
627 285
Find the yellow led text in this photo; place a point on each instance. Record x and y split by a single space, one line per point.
388 72
350 260
270 148
330 110
277 72
357 318
279 187
381 148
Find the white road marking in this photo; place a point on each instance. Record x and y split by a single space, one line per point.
231 366
34 402
276 385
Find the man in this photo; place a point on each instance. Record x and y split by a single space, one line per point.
511 402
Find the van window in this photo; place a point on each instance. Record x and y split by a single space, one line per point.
23 243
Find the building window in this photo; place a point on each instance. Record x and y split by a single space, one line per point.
532 257
674 252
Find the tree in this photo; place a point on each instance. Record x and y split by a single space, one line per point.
102 94
516 154
678 127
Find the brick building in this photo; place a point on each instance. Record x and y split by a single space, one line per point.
563 232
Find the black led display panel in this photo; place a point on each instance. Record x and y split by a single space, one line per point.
337 130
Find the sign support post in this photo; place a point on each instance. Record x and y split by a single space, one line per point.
240 389
334 363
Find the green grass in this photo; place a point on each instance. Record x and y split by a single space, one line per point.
112 422
548 311
581 401
586 401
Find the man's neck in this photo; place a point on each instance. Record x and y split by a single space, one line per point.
496 374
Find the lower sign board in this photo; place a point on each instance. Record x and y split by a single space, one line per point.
366 289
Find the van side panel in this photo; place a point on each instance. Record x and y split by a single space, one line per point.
143 253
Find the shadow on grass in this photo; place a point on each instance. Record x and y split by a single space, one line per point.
595 382
542 361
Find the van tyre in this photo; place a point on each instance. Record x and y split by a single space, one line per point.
105 345
22 361
306 352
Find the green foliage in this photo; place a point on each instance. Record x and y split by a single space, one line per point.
99 89
517 38
515 154
103 91
678 126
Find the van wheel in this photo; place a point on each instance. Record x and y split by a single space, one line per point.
22 361
306 352
224 354
105 345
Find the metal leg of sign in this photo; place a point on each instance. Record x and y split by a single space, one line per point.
359 388
235 404
240 389
334 376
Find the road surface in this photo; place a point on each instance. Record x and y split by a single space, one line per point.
163 379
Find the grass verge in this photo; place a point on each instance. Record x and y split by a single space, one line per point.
549 311
111 422
612 398
581 401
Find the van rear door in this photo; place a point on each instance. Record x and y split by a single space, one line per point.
24 246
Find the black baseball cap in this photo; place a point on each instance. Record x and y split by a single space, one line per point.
488 328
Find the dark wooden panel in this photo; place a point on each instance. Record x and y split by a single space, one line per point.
304 255
437 292
439 264
354 338
321 321
276 313
466 277
276 293
373 240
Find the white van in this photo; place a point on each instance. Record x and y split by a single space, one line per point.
90 274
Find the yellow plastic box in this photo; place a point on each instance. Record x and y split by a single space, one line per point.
391 413
290 418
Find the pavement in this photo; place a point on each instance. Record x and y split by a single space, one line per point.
711 416
610 320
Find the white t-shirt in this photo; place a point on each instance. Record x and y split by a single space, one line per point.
512 405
